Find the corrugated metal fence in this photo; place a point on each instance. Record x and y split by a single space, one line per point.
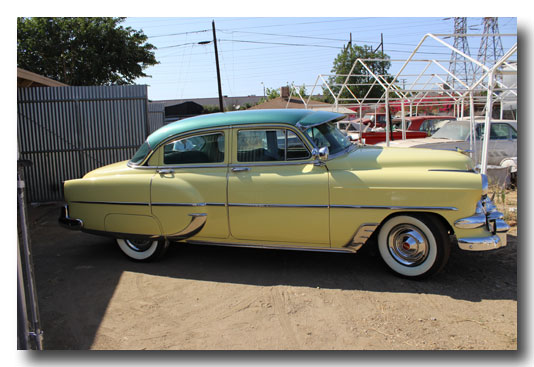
156 115
69 131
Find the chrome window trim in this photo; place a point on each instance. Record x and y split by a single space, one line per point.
181 136
308 144
147 157
278 125
187 136
261 128
304 128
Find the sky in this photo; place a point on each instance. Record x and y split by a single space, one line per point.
258 52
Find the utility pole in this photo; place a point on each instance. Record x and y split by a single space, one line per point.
221 107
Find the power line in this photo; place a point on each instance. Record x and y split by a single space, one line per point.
279 43
292 24
179 34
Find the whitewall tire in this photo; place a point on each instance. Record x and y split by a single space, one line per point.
414 246
142 250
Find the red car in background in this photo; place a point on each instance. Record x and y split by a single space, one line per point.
417 127
428 124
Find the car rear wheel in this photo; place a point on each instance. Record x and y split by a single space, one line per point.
414 246
143 250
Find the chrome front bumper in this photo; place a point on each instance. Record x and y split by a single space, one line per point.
487 216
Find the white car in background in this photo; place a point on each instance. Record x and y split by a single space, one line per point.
454 135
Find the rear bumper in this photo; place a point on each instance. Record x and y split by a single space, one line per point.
68 222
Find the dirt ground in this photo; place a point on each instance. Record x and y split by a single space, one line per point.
219 298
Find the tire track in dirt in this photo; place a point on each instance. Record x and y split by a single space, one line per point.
279 305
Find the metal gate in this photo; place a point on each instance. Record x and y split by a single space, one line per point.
69 131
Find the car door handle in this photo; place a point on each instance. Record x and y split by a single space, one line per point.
240 169
164 171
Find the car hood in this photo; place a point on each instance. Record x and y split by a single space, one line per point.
109 170
373 157
415 142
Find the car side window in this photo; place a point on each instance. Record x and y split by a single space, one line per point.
499 132
295 147
513 133
269 145
208 148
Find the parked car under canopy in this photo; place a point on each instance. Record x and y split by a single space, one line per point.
286 179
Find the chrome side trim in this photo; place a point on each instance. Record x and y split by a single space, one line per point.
189 204
393 207
362 234
481 243
147 204
274 247
111 202
275 205
198 221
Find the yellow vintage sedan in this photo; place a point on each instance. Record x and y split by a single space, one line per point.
287 179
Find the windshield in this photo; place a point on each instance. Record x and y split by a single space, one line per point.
141 153
327 135
453 131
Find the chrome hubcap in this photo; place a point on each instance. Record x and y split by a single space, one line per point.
408 245
139 245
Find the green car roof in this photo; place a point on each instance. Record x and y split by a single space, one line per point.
289 116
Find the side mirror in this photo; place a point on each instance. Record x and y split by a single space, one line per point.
321 153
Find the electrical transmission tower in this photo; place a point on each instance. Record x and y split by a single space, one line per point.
491 48
459 65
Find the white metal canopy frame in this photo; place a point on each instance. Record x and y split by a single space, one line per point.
428 86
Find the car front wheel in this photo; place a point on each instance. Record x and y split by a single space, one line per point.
414 246
142 250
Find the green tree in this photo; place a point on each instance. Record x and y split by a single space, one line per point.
342 65
83 51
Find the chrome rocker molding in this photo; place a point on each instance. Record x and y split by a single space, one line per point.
274 247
